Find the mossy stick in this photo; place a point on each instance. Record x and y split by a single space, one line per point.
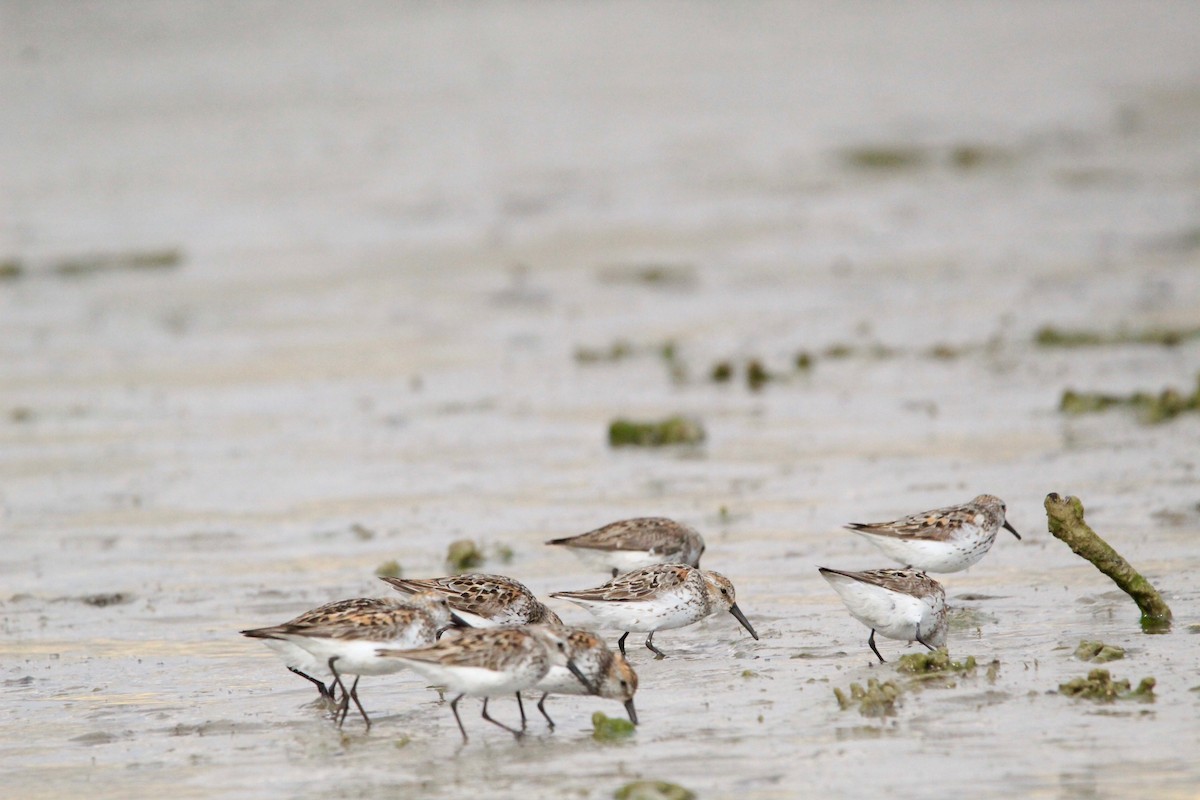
1065 516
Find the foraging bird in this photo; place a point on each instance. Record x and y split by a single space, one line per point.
897 603
342 638
486 662
609 674
660 597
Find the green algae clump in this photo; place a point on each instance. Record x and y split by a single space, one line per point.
389 569
610 729
1144 692
722 372
503 553
1098 651
884 158
935 662
877 700
653 790
1151 408
616 351
670 431
1100 687
463 555
757 375
11 269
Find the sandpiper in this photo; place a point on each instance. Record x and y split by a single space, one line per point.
631 544
900 604
486 662
609 674
660 597
343 636
942 540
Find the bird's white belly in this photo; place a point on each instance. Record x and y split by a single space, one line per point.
664 613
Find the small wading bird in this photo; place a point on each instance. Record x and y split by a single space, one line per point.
657 598
942 540
897 603
631 544
343 637
608 674
486 662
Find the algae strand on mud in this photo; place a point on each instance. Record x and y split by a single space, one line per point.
670 431
1152 408
1065 517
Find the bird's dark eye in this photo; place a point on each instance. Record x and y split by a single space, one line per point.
624 684
725 592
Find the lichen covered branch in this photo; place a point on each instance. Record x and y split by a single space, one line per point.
1065 516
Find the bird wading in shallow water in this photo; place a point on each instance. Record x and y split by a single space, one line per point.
660 597
942 540
342 638
486 662
897 603
609 674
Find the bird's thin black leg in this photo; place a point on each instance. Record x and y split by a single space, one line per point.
354 697
516 733
521 706
621 642
922 641
542 708
457 718
650 644
320 686
340 712
871 641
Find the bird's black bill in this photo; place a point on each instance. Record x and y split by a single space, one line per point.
578 673
459 621
629 709
1012 530
740 617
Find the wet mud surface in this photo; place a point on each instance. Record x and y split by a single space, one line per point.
408 295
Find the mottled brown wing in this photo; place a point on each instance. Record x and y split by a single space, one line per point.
905 581
475 592
415 585
319 616
366 623
925 525
641 584
487 648
641 533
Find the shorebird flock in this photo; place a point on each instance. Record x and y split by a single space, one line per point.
907 604
486 636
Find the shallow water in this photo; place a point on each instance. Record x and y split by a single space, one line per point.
397 227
